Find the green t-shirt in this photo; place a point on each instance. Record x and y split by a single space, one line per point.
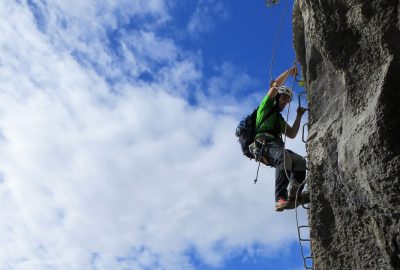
268 125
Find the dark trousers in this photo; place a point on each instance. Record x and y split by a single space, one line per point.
294 163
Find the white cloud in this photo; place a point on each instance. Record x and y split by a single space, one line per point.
206 14
146 43
124 176
82 28
225 90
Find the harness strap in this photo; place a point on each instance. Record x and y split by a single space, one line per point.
260 157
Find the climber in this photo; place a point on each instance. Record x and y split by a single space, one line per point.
268 146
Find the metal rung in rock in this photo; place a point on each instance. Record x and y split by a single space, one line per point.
302 135
306 259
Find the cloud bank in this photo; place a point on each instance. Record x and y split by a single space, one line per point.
105 164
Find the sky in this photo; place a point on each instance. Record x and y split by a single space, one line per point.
117 146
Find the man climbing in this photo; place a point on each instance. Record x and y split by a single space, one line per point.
269 147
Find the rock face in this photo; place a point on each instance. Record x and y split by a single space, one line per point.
350 56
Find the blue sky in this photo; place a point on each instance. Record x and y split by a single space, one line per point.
117 136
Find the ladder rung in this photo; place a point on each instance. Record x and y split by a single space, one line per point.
305 240
306 259
302 136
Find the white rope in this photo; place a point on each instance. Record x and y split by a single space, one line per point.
287 120
270 71
277 39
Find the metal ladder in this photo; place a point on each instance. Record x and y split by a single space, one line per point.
307 259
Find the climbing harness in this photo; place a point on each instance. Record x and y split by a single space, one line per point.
259 157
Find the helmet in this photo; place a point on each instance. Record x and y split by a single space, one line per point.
285 91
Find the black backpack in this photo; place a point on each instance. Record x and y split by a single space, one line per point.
246 131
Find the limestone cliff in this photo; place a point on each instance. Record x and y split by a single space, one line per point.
350 56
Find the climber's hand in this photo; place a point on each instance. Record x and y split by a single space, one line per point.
293 71
301 111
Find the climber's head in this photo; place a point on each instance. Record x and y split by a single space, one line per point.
284 97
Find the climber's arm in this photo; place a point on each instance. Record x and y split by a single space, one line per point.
273 90
291 131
